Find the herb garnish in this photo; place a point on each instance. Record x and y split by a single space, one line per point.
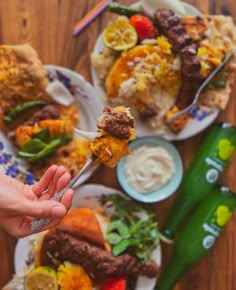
40 146
129 231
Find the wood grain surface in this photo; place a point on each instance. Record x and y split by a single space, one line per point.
47 25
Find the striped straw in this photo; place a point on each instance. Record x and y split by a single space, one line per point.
90 16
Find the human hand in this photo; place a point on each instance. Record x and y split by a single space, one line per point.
20 203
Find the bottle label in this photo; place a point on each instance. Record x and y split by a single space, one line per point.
208 241
225 149
213 228
214 170
216 162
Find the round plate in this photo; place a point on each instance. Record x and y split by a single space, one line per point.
85 196
201 117
165 191
89 107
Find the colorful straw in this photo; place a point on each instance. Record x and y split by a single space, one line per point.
90 16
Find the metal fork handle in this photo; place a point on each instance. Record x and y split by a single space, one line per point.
199 91
37 224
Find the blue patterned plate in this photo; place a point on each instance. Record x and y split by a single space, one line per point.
201 116
89 108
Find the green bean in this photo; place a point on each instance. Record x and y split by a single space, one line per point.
20 108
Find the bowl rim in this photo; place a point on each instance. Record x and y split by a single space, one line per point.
165 191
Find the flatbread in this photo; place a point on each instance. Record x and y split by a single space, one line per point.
221 33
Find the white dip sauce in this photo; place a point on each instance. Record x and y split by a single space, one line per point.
148 168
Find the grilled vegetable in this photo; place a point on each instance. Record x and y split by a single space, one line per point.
120 35
20 108
42 277
37 149
122 9
144 27
115 284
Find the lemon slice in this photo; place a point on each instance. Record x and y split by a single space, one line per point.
150 6
42 277
120 35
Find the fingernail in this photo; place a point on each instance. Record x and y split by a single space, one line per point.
58 212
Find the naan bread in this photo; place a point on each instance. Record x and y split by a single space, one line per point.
221 33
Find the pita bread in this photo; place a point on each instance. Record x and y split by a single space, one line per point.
221 33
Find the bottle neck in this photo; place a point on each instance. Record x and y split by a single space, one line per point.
172 273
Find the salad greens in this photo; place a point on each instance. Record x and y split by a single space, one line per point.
40 146
129 230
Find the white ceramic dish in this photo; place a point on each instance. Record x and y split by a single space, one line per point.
167 189
201 117
89 107
85 196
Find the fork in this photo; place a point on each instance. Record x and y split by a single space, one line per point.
87 135
201 88
37 224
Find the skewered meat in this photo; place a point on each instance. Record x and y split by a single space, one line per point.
59 246
184 45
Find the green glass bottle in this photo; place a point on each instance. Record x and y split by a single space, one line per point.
198 235
202 175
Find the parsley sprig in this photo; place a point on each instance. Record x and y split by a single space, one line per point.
129 230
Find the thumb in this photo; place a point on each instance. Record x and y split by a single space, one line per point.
42 209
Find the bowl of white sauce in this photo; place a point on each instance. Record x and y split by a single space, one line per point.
152 172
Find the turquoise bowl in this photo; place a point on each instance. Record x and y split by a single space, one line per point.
168 188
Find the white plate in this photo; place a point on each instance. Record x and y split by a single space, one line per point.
201 117
89 108
85 196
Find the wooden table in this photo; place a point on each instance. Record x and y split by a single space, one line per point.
47 25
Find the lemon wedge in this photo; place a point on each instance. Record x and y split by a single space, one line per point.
42 277
149 6
120 35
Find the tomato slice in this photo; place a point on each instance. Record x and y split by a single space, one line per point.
115 284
